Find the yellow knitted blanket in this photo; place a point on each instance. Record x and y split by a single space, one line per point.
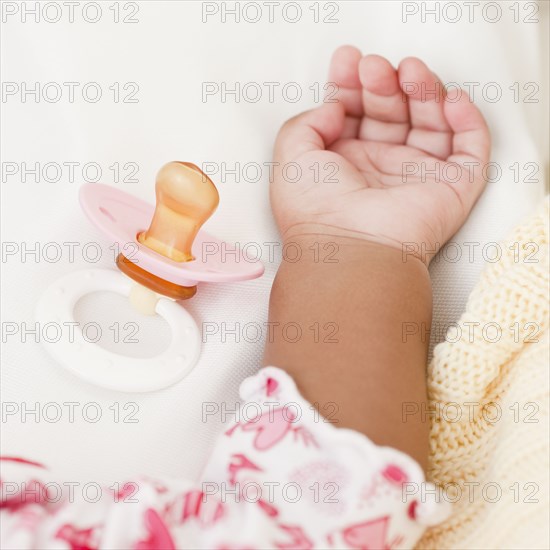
489 393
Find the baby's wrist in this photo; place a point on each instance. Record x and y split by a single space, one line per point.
312 244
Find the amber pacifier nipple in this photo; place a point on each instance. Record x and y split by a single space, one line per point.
186 198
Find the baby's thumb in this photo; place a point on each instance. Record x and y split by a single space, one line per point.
313 130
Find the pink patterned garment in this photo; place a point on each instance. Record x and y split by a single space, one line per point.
281 477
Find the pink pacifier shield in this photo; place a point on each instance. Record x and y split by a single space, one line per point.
121 217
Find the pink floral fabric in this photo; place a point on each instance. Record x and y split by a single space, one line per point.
281 476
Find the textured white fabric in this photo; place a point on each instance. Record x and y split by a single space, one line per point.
169 54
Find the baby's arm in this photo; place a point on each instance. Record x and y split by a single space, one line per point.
368 213
351 358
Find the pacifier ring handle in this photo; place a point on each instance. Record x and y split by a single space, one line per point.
101 367
152 282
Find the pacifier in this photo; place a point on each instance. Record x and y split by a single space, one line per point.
162 257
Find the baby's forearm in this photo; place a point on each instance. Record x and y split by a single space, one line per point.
350 299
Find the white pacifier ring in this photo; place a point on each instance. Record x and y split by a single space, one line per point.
100 366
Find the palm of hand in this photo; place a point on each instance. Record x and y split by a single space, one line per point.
388 161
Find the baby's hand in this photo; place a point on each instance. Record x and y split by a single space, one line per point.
393 161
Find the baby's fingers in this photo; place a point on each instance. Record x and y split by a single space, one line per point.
471 146
313 130
471 133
